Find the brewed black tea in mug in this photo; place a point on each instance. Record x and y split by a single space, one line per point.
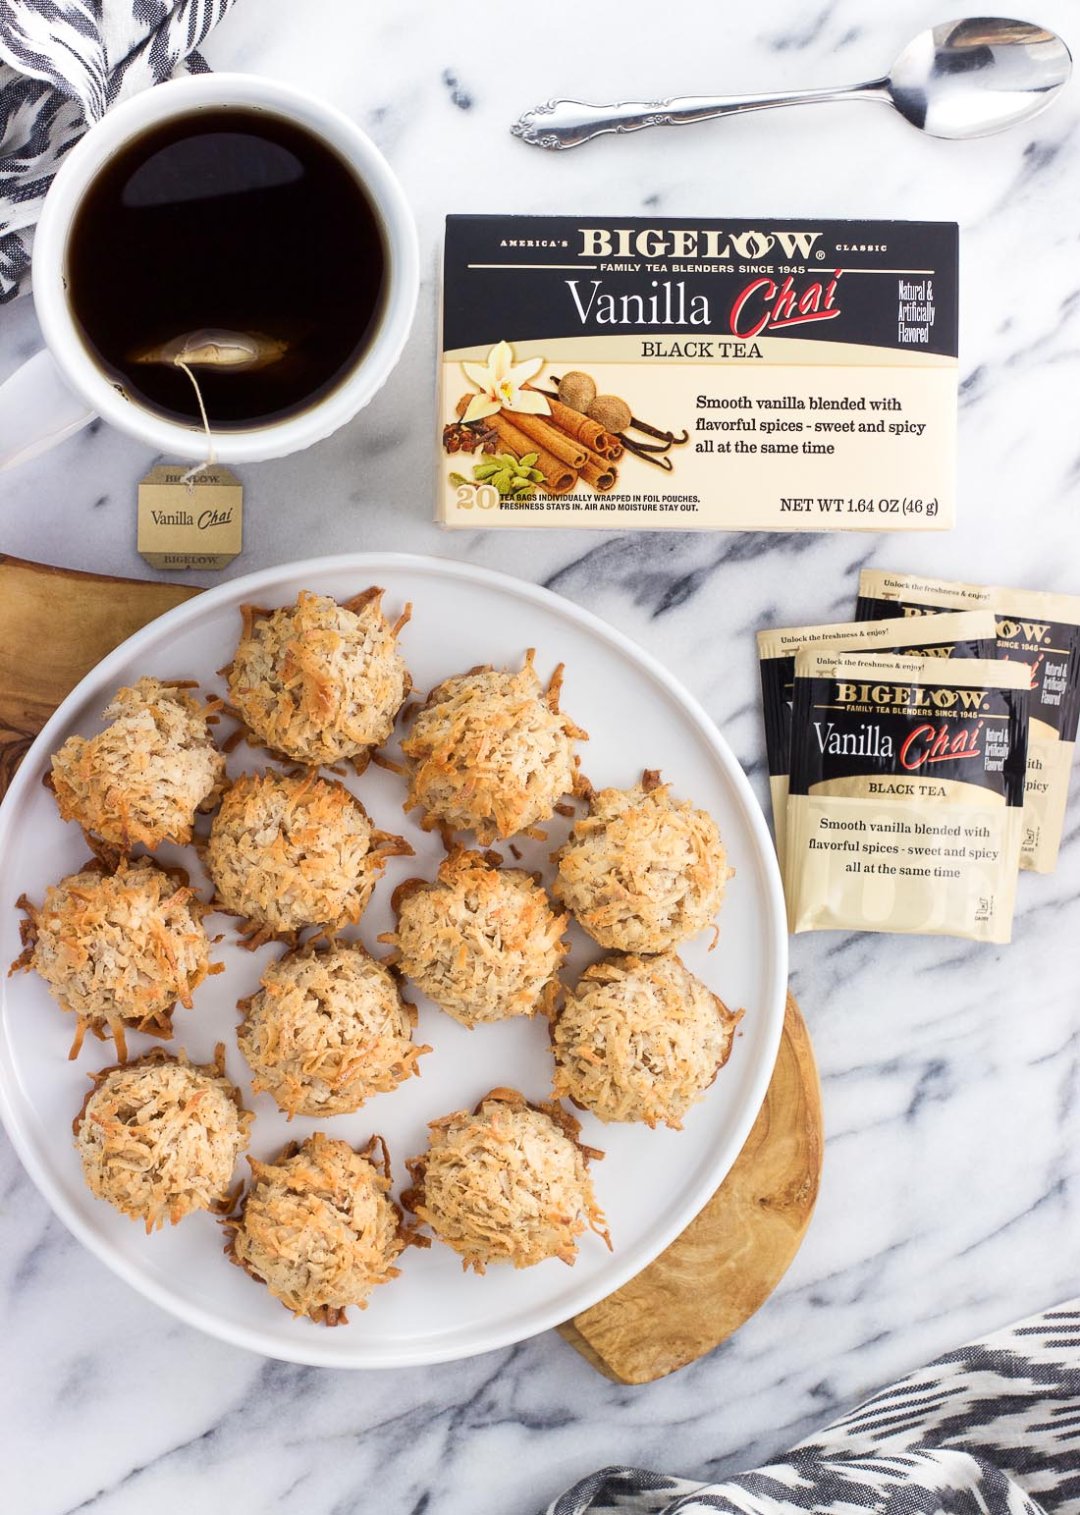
239 242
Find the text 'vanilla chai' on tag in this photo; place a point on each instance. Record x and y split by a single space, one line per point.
190 522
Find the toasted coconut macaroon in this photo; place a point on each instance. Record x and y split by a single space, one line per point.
640 1039
507 1183
491 752
142 780
293 850
159 1137
483 942
118 950
641 873
318 1227
318 681
327 1030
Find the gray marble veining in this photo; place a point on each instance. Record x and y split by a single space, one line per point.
951 1197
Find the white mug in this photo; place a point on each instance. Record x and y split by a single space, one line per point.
62 388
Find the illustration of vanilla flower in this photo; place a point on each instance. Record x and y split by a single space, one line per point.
501 383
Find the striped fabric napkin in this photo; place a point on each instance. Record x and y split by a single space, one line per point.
63 63
990 1429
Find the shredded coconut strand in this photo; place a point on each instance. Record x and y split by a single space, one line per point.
141 781
327 1030
641 873
159 1137
508 1183
484 943
640 1039
491 752
318 681
318 1227
288 851
118 950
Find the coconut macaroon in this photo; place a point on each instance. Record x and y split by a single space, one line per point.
507 1183
319 1228
318 681
641 873
490 752
118 950
292 850
142 780
640 1039
327 1030
483 942
159 1138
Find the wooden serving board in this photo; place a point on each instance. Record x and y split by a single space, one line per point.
56 624
731 1257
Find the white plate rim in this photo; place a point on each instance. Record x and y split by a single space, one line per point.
771 1010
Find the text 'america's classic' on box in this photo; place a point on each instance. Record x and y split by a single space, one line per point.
762 376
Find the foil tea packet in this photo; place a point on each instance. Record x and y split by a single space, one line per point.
965 634
906 794
1039 628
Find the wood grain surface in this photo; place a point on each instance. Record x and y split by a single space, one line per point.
731 1257
56 624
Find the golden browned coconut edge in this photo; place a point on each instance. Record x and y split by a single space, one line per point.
406 1233
413 1199
249 615
159 1024
157 1057
316 947
580 785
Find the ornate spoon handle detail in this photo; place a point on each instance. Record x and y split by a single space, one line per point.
569 123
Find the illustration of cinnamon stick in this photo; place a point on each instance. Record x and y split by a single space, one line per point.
609 447
599 473
558 478
590 433
542 432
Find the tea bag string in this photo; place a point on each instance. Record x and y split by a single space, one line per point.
211 456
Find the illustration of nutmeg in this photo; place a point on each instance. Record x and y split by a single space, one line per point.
578 390
611 412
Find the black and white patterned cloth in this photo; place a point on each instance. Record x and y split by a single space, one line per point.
63 63
990 1429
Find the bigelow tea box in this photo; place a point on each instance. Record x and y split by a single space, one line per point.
763 376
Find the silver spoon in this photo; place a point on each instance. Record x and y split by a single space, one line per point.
961 79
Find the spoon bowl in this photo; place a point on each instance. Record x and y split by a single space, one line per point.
971 78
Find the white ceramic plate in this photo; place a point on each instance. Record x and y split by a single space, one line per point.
651 1183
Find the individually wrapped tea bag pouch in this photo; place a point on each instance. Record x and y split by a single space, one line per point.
967 634
1034 626
906 794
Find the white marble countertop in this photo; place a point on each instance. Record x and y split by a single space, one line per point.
951 1196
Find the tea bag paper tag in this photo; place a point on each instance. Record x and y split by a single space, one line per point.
189 519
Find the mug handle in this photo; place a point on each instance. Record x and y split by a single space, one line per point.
38 409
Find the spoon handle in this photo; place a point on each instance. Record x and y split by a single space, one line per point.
569 123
